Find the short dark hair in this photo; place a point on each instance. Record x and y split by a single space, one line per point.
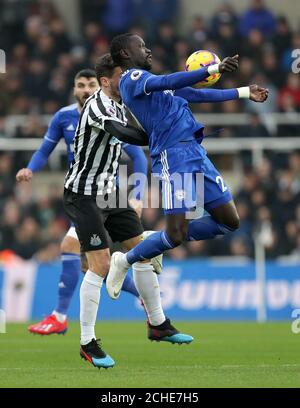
105 66
86 73
118 43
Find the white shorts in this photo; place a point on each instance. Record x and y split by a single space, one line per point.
72 233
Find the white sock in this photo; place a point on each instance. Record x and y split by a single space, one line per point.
59 316
89 301
147 285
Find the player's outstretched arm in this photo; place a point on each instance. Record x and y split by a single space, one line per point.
252 92
126 134
183 79
37 161
40 157
193 95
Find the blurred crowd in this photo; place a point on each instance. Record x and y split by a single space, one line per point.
43 57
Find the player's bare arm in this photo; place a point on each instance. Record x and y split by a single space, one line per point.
127 133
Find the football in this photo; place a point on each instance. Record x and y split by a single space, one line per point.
203 58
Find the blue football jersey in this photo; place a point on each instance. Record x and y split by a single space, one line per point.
166 118
63 126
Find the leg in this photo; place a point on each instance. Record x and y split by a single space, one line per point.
98 262
70 250
226 214
147 284
177 227
57 323
88 220
218 203
222 220
160 241
90 350
146 281
123 225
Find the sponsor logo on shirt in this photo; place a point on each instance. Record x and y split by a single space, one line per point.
135 75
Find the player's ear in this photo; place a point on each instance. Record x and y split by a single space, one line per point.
124 54
103 81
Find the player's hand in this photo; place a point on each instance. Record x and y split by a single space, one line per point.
229 64
24 175
258 94
137 205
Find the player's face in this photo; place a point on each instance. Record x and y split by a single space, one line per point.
139 54
84 88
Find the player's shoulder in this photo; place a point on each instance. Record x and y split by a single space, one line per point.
134 74
69 108
67 112
101 105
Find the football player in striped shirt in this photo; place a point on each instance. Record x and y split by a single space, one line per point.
62 127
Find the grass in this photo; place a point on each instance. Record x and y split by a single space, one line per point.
222 355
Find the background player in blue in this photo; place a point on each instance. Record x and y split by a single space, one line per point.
160 104
63 126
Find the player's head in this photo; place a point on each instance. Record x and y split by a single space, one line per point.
129 51
85 84
108 74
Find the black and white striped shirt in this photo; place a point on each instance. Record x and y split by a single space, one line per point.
96 152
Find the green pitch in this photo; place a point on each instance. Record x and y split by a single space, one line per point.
222 355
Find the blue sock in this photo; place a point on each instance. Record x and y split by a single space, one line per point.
154 245
129 286
68 280
205 228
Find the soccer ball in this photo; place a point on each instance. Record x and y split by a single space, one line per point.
201 59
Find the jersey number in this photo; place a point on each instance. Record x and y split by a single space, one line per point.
220 181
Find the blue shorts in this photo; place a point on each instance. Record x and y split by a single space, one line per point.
189 179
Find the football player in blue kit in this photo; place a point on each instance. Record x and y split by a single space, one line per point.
160 105
62 127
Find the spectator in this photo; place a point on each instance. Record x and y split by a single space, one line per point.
118 16
257 17
291 89
253 129
282 36
225 15
197 34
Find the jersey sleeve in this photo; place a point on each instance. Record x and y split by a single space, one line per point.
98 115
52 137
134 82
207 95
55 131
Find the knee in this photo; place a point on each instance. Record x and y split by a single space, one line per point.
69 245
177 235
99 264
234 222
